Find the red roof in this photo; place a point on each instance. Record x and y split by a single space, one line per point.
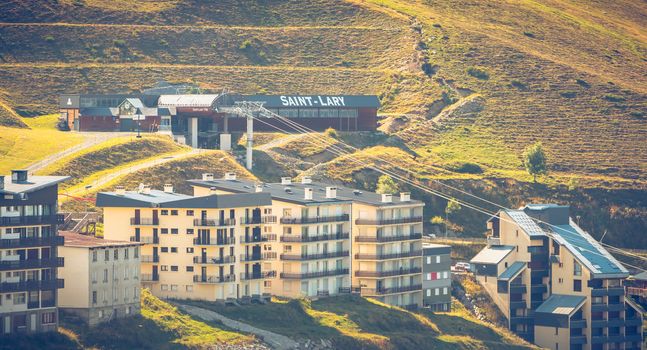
77 240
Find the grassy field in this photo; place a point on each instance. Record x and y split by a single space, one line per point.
160 326
22 147
354 322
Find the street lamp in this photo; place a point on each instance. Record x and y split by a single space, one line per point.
138 117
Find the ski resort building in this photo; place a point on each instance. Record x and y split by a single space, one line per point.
555 284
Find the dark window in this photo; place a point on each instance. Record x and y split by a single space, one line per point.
189 249
94 297
189 231
577 285
174 212
164 268
174 231
189 213
189 269
106 256
116 254
173 249
164 212
164 231
164 249
173 267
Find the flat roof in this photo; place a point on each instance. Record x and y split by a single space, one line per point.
161 199
433 248
83 241
561 304
512 271
32 184
492 254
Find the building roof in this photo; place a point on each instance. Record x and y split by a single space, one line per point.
99 112
195 100
161 199
527 224
561 304
32 184
82 241
434 249
295 192
587 251
512 271
640 277
135 102
314 101
492 254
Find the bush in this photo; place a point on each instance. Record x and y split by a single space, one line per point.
568 94
478 73
614 98
529 34
49 39
163 42
518 84
437 220
466 168
245 45
119 43
583 83
332 133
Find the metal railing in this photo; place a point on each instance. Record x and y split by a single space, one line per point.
52 219
270 237
258 220
147 277
389 273
31 263
382 239
315 220
32 242
316 274
214 279
150 258
413 219
413 253
31 285
391 290
256 276
315 238
338 254
144 221
214 222
145 239
229 259
220 241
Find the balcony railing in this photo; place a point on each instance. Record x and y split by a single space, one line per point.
145 239
315 238
214 222
271 237
578 323
382 239
493 240
577 339
31 263
32 242
144 221
389 273
251 257
258 220
611 291
390 290
32 285
330 255
257 276
315 220
214 279
147 277
150 258
518 288
32 220
383 256
316 274
413 219
229 259
221 241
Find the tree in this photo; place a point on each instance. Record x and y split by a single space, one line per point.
385 184
452 207
534 159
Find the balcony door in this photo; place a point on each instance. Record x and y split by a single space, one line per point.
155 217
137 215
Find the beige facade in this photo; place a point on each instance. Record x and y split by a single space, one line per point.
106 278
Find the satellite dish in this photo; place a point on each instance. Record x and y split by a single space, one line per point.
141 188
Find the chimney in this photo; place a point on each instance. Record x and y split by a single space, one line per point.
286 181
18 176
168 188
258 188
306 180
230 176
387 198
331 192
307 193
1 182
207 177
212 190
120 190
146 189
405 196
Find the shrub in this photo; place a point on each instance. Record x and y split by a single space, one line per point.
163 42
583 83
332 133
518 84
437 220
466 168
614 98
478 73
568 94
245 45
119 43
437 25
49 39
529 34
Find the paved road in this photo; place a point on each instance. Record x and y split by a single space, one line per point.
277 341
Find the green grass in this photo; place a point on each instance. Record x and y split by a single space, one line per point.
352 322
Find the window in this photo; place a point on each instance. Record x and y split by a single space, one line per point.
100 313
444 290
189 288
267 284
94 297
189 231
189 250
174 268
126 253
164 287
189 213
164 212
437 259
94 256
128 310
106 255
436 291
173 249
105 275
428 292
347 113
164 231
428 276
174 231
189 269
173 287
577 285
446 274
116 254
577 268
164 249
136 252
19 298
174 212
434 276
163 268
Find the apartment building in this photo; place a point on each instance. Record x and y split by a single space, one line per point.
28 253
106 278
436 277
313 228
207 247
321 225
555 284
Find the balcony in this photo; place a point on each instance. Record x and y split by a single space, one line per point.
144 221
147 277
258 220
378 274
599 323
633 321
380 222
315 238
385 239
32 285
145 240
493 241
612 291
258 239
208 242
519 304
315 220
230 259
599 339
204 279
633 338
316 274
214 222
578 339
27 242
32 220
414 253
257 276
577 324
615 338
31 264
616 307
251 257
330 255
616 322
520 320
517 288
390 290
641 292
538 288
150 258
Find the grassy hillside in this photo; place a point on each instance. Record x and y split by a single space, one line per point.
160 326
353 323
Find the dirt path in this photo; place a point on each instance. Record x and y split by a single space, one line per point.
279 142
277 341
